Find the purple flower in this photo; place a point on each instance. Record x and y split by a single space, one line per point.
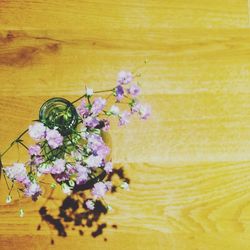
134 90
90 204
91 122
38 159
54 138
99 189
98 105
144 111
103 151
124 77
108 167
97 145
34 150
94 141
33 190
82 174
58 167
37 131
82 109
124 118
106 125
71 169
66 173
136 107
119 92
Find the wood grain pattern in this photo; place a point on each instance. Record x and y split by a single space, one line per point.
189 164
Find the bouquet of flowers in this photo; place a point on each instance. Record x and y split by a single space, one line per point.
70 142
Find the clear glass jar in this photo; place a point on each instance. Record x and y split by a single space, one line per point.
59 113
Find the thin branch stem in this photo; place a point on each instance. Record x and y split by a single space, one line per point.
103 91
23 145
12 143
10 146
11 187
78 99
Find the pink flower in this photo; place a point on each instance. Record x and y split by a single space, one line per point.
17 172
144 111
124 77
103 151
99 189
136 107
91 122
34 150
94 161
97 145
124 118
98 105
106 125
134 90
58 167
37 131
33 190
82 174
108 167
90 204
71 169
38 159
54 138
82 109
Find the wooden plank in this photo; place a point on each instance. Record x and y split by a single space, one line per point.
179 61
105 14
190 204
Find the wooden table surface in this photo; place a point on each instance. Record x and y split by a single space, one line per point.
189 165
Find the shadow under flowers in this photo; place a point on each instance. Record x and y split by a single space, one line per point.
74 215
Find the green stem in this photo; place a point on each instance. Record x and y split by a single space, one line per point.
12 143
95 92
11 187
78 99
103 91
10 146
23 145
23 133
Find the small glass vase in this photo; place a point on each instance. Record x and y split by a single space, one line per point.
59 113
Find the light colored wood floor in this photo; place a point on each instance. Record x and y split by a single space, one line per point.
190 164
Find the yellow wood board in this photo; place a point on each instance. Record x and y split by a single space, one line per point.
189 164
